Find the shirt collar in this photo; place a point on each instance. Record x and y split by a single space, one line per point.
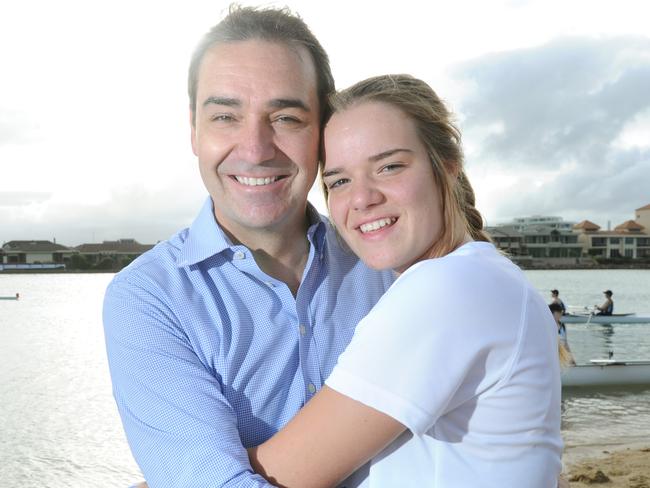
317 228
206 238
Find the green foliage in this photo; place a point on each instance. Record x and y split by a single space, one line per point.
79 261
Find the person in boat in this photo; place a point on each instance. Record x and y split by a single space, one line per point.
466 396
564 351
607 307
555 298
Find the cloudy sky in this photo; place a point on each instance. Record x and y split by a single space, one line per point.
553 98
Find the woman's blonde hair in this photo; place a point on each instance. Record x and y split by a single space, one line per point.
566 358
442 141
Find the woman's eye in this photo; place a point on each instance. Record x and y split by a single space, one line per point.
337 183
391 167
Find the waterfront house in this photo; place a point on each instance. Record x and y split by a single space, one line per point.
627 240
35 253
538 240
642 217
120 252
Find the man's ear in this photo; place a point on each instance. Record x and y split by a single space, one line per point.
193 131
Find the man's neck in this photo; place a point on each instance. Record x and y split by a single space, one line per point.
280 253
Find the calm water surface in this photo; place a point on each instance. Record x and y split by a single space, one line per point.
60 427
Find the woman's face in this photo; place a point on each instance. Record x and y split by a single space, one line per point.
382 193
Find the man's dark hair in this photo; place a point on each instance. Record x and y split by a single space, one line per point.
267 24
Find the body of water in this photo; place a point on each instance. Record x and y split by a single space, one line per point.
59 423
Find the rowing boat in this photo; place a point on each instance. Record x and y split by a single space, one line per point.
619 318
607 372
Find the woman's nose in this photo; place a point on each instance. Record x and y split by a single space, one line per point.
365 195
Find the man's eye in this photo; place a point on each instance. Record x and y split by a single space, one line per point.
222 118
287 119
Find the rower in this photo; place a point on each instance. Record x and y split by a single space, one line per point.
607 308
555 298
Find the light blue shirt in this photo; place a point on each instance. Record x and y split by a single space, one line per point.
210 355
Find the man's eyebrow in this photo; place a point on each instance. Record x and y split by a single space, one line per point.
387 154
226 101
279 103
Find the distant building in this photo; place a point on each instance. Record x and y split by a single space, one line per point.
35 252
120 251
47 255
642 217
524 223
550 240
627 240
538 238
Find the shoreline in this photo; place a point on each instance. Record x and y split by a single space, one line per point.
523 267
616 466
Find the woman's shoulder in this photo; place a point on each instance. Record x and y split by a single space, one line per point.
474 265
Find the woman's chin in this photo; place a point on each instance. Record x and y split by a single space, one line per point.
383 264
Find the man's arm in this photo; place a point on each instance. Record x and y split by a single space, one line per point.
180 427
325 442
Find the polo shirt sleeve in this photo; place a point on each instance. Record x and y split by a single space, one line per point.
423 349
180 427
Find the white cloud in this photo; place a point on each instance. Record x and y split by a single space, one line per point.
635 133
93 96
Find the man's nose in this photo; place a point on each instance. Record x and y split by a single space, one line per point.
256 141
365 194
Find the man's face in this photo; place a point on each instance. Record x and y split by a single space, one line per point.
256 134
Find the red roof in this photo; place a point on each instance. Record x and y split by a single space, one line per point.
629 225
647 207
587 226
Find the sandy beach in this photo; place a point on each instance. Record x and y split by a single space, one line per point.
621 468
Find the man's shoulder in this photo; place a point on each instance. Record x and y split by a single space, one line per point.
157 263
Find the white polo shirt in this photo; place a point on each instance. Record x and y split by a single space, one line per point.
463 351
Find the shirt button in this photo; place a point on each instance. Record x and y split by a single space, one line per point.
270 284
303 330
239 255
311 388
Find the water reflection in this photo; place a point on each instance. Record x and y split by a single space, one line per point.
605 416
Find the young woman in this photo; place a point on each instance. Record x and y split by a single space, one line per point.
453 379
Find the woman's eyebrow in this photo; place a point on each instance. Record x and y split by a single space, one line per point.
387 154
331 172
373 159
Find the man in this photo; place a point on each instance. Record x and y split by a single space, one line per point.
607 307
218 336
555 298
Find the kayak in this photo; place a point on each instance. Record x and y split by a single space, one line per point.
607 372
618 318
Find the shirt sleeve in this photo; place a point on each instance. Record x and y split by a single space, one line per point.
180 427
424 349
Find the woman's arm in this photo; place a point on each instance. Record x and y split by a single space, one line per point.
324 443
